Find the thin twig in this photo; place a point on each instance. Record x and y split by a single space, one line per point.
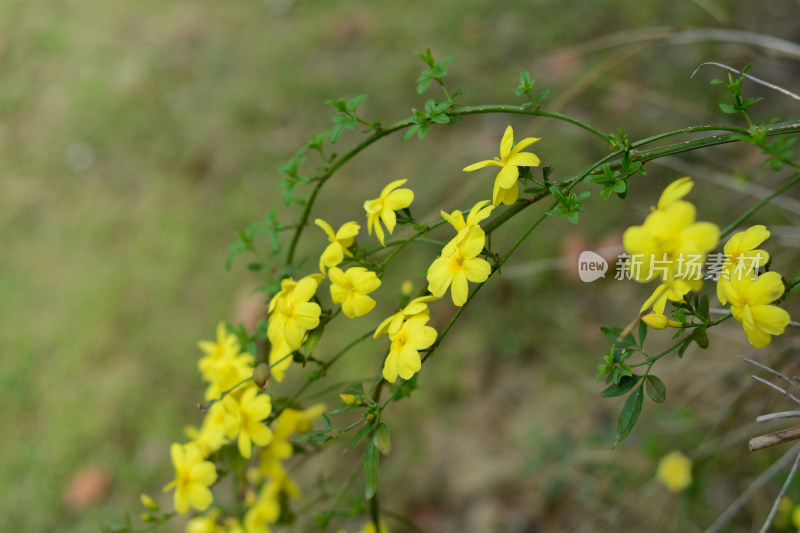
770 370
749 77
743 498
775 505
777 388
777 416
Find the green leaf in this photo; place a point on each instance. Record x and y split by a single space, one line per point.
727 108
629 414
423 84
410 132
371 458
642 333
656 389
611 335
684 346
326 421
361 435
702 307
625 384
336 131
701 338
427 57
353 104
558 193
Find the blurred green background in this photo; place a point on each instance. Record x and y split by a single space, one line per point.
137 138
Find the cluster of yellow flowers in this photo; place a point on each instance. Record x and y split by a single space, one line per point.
672 246
240 415
239 412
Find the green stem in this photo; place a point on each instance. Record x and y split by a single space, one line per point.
693 334
379 134
314 377
733 225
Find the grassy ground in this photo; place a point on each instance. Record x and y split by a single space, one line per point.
136 138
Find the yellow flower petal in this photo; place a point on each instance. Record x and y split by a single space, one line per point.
507 176
524 159
506 143
524 143
326 228
674 192
482 164
392 186
766 289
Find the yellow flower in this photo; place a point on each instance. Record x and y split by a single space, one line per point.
750 299
511 158
211 436
340 242
741 259
292 312
193 476
784 514
457 265
264 511
795 516
223 365
671 246
369 527
205 524
657 321
403 359
288 422
383 208
246 420
279 358
478 213
350 289
675 471
417 306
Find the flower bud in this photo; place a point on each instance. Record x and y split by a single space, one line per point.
370 417
261 375
657 321
148 502
348 399
406 287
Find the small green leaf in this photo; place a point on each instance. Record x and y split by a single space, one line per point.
656 389
371 459
423 85
702 307
701 338
410 132
353 104
326 421
625 384
361 435
558 193
612 334
642 333
629 414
